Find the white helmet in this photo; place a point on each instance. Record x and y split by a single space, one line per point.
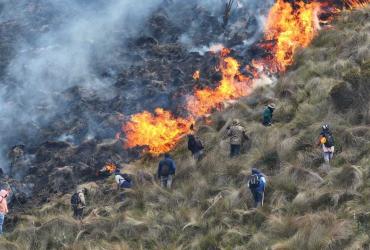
325 127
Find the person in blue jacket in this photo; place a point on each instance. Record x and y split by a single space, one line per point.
257 184
166 171
122 180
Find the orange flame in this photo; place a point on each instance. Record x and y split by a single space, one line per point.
291 29
287 30
159 132
232 86
162 131
110 167
196 75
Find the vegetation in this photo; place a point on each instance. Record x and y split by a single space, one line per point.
307 206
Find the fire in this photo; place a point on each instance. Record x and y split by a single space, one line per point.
159 132
232 86
290 26
356 3
162 131
110 167
291 29
196 75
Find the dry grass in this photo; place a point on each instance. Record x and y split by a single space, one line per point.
210 206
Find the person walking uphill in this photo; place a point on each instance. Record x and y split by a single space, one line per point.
326 140
195 145
78 204
237 134
267 114
4 193
257 184
166 171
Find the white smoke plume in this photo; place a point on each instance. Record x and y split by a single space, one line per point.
59 44
72 36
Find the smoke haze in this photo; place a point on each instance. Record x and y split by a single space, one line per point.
53 46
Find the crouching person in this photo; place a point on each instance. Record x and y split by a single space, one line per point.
123 181
166 171
257 184
78 204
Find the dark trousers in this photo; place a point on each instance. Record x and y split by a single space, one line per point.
78 213
125 184
258 198
234 150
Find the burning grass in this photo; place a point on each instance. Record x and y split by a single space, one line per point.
160 132
209 206
289 27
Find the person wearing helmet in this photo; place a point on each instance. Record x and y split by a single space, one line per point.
237 134
257 184
326 141
267 114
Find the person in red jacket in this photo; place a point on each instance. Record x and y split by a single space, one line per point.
3 206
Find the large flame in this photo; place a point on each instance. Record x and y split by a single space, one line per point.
288 29
233 85
159 132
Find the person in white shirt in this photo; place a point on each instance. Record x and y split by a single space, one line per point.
123 181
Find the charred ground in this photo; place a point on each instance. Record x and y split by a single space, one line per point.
53 134
306 207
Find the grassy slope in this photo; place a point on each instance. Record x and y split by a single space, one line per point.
305 208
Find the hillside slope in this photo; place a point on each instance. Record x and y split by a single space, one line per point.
307 206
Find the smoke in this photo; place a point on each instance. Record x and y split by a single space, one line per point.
57 45
60 44
246 15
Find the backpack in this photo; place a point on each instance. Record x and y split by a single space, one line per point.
75 200
165 171
329 140
199 143
254 181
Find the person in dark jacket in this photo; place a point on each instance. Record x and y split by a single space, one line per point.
195 145
326 141
257 184
78 203
267 114
166 171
